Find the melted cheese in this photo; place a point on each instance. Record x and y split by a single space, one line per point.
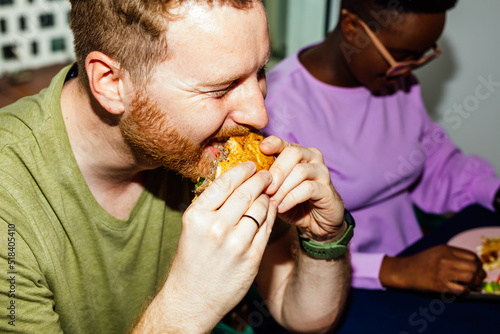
244 148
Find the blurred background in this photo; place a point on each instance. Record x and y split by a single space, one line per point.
461 88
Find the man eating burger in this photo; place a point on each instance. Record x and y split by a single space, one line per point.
106 237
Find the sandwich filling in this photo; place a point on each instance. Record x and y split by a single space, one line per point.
236 150
489 252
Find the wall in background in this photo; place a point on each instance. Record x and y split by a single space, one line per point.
461 89
297 23
305 23
34 34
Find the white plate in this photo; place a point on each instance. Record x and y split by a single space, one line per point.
471 239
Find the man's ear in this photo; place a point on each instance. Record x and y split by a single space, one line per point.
106 81
350 26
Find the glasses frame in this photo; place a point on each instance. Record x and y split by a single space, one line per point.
397 68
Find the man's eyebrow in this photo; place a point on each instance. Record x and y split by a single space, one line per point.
222 82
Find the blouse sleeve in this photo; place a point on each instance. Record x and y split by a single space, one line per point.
450 179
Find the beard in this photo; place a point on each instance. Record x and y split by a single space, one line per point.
153 137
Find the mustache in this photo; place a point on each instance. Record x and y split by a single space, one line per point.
223 134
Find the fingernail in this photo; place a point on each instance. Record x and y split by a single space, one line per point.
280 207
266 174
250 165
266 142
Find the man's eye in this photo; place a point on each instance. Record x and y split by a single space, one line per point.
218 93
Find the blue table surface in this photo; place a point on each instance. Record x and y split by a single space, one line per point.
372 311
403 312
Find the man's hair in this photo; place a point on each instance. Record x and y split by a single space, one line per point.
363 8
132 32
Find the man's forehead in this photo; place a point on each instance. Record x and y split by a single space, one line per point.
221 36
201 13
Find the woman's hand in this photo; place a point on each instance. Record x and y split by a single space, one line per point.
437 269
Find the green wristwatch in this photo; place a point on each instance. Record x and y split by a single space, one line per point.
331 250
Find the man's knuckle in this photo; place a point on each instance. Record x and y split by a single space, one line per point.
217 231
261 206
223 183
293 149
190 216
244 197
301 171
278 171
234 244
316 152
324 170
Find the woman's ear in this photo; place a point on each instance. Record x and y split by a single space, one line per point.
349 25
105 81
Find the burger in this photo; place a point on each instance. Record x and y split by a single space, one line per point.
489 252
235 151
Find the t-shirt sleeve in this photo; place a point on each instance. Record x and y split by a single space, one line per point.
26 302
451 180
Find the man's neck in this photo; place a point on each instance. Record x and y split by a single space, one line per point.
107 164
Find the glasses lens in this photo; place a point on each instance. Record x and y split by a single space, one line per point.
402 69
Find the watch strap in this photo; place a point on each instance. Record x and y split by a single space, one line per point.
330 250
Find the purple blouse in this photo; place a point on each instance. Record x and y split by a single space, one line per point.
384 155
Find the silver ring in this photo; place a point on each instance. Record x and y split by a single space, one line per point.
255 220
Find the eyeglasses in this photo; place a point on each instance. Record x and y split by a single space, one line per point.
398 67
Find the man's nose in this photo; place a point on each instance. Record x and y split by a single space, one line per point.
250 109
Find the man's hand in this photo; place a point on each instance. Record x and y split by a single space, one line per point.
219 252
302 187
437 269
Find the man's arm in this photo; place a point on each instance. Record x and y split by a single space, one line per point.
305 294
302 293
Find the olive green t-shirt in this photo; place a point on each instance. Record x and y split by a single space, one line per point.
66 265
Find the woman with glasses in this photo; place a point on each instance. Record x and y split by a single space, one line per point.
353 96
